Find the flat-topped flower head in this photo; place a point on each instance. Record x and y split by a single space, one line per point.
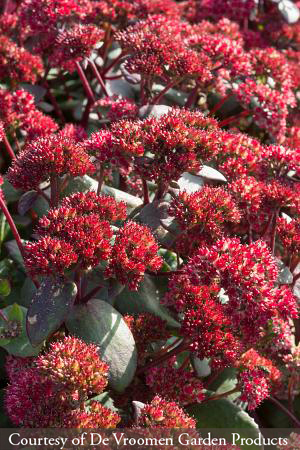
74 45
44 157
134 252
76 365
17 64
178 385
98 416
163 414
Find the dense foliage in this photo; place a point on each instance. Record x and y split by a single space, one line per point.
150 225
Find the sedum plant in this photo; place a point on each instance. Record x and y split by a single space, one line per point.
149 271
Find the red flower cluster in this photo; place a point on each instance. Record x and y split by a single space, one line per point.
179 385
117 108
74 44
215 325
79 229
46 157
76 365
44 391
146 329
98 416
256 378
157 48
203 216
134 252
18 111
17 64
162 414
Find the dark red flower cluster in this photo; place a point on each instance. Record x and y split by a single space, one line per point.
246 275
174 384
177 140
46 157
77 231
203 216
156 48
257 377
73 45
162 414
117 108
18 111
48 391
134 252
146 329
17 64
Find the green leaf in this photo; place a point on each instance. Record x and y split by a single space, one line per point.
105 400
86 183
10 193
5 288
19 346
50 305
225 382
222 414
27 292
146 299
15 253
15 313
99 322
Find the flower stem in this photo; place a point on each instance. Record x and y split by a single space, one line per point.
146 192
8 147
220 104
224 394
98 76
286 411
85 83
162 93
12 225
100 180
179 349
231 119
115 61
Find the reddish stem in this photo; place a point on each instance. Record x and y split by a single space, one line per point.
114 62
156 99
91 294
54 103
179 349
192 97
8 147
286 411
85 83
224 394
98 76
14 231
231 119
117 77
145 191
220 104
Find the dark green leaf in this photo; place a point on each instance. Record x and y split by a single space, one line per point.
19 346
222 414
99 322
4 287
146 299
50 305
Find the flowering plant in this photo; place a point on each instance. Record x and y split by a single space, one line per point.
150 213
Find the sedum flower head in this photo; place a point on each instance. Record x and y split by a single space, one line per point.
76 365
44 157
163 414
134 252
